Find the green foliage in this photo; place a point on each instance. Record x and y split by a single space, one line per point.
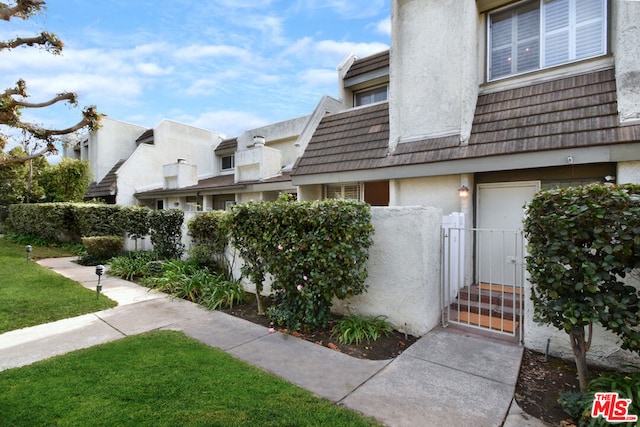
314 251
66 222
136 221
67 181
103 248
582 242
14 179
578 405
132 266
166 232
210 234
23 239
357 329
187 280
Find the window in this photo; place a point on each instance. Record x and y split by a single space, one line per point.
370 96
542 33
228 162
343 191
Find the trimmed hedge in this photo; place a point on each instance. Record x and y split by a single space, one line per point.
314 251
103 248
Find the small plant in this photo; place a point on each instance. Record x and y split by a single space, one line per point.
131 266
357 329
222 293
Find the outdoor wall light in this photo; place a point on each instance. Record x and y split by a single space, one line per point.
463 192
99 272
28 248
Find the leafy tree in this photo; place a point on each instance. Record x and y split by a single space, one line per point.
13 99
15 186
67 181
583 242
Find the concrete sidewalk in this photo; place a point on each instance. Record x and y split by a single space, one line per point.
444 379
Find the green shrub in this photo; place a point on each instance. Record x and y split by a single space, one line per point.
583 241
136 222
133 265
103 248
222 293
356 329
314 251
166 233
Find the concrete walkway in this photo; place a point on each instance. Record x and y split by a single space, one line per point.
444 379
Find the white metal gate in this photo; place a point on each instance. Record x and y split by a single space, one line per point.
483 278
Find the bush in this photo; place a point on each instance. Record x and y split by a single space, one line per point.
103 248
357 329
166 233
314 251
132 266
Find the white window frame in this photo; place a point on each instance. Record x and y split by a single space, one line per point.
544 36
373 90
233 163
330 191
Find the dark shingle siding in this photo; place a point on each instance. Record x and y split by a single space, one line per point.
368 64
351 140
108 185
227 145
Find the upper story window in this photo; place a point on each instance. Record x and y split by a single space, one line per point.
228 162
370 96
538 34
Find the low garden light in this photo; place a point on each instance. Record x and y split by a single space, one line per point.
28 248
99 272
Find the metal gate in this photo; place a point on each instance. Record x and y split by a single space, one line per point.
483 278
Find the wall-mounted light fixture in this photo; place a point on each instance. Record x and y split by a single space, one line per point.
258 140
463 192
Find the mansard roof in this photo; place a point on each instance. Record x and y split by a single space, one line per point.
572 112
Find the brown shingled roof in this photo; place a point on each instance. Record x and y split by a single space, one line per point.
577 111
351 140
108 185
227 145
368 64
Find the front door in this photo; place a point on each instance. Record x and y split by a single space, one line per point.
499 246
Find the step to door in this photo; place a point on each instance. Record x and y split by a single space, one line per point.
493 323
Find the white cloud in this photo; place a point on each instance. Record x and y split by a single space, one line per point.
345 48
150 69
197 52
384 27
319 77
231 123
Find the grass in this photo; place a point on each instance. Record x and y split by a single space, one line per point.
159 379
31 295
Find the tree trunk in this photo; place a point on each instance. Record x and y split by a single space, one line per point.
29 181
579 346
261 311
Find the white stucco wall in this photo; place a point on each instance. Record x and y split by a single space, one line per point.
114 141
438 191
404 270
435 47
143 170
626 48
628 173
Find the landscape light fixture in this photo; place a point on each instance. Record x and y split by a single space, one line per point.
463 192
99 272
28 248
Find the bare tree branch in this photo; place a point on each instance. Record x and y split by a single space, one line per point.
47 41
23 9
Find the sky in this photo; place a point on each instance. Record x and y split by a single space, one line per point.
223 65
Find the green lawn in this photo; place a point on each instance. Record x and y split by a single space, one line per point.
159 379
31 294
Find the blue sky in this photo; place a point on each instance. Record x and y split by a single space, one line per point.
225 65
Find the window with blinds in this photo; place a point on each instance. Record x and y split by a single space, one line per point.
370 96
343 191
543 33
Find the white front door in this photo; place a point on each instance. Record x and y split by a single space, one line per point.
499 246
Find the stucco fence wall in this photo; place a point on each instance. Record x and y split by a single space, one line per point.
403 283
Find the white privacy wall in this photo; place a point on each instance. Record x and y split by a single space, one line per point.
404 270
